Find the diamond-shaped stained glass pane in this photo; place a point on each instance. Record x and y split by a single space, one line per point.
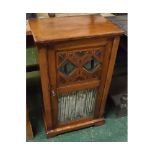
90 65
67 67
98 53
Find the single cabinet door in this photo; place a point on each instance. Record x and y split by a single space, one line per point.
77 73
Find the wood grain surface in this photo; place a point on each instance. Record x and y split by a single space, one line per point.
60 28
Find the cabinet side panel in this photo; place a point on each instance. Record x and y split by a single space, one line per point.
109 75
45 87
105 60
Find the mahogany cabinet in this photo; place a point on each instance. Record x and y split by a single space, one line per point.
76 58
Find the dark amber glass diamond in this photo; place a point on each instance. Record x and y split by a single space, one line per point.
90 65
98 53
67 67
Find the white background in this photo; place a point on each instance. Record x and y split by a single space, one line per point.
141 128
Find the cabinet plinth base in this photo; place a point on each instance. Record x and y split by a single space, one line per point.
59 130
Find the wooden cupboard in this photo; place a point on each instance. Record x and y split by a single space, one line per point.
76 59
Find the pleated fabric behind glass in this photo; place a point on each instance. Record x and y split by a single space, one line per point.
76 105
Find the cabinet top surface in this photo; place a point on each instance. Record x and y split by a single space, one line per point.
63 28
